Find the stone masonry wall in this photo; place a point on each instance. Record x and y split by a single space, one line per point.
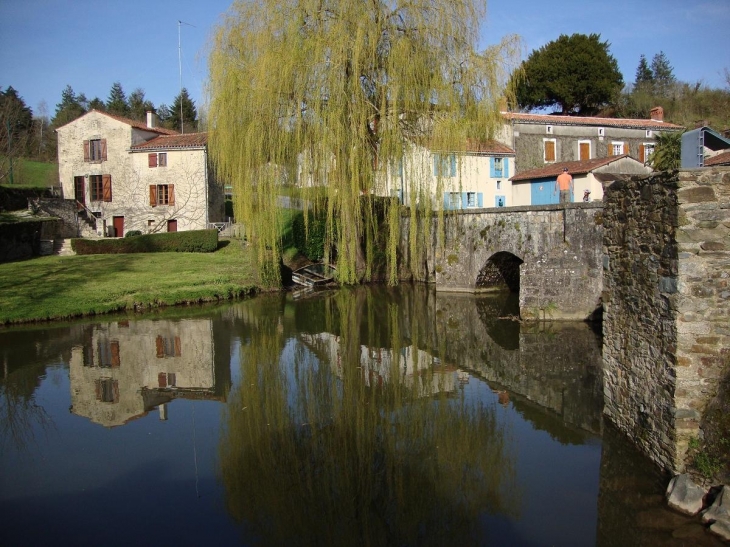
667 306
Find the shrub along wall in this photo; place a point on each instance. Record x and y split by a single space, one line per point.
194 241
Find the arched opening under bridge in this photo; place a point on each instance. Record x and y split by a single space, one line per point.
501 272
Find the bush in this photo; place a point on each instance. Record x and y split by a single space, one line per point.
310 244
194 241
132 233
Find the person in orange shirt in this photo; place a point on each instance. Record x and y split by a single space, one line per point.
564 185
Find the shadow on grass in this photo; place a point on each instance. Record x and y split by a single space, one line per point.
222 243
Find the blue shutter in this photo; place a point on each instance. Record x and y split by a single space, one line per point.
464 200
491 168
480 200
436 161
453 165
446 201
505 167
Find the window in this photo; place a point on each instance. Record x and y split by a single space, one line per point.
162 194
100 187
157 160
649 133
645 152
499 185
549 129
454 200
107 390
444 166
471 199
616 149
497 167
601 132
166 379
168 346
95 150
549 149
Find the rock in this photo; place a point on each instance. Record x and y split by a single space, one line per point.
684 495
720 508
722 529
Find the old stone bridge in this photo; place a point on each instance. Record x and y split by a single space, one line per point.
550 254
653 258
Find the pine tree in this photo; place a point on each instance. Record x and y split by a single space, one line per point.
16 128
663 74
117 101
97 104
644 75
138 105
184 105
68 109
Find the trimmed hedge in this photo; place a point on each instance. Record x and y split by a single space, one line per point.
194 241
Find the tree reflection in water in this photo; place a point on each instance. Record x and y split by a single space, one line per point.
315 453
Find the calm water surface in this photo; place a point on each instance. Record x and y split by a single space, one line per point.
355 417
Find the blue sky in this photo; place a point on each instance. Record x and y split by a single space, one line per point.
47 44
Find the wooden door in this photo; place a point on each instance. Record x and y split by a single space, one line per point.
172 225
118 226
79 194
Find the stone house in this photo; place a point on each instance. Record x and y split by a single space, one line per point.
128 175
537 186
542 139
476 177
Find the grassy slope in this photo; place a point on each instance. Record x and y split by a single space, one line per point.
36 174
56 287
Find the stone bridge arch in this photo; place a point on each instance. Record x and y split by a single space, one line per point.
500 272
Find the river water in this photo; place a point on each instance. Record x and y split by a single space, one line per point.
368 416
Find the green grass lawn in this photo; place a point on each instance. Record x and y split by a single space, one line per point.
57 287
33 174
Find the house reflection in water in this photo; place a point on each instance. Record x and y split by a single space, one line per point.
417 370
124 369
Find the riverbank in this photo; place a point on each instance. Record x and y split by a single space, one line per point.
63 287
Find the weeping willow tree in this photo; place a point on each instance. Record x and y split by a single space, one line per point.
330 93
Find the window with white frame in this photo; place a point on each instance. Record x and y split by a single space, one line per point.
454 200
617 148
498 167
444 165
645 151
499 185
471 199
549 129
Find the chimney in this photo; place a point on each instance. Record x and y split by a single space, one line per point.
152 119
657 114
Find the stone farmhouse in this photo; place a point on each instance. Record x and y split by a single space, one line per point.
127 175
541 139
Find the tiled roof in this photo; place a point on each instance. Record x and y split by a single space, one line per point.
185 140
550 119
481 147
723 158
574 168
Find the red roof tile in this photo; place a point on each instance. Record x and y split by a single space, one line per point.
589 120
723 158
574 168
478 147
185 140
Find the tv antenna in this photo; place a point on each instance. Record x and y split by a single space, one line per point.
179 64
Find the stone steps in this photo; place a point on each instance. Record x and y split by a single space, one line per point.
62 247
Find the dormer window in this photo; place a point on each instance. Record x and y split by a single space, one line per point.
549 129
649 133
601 132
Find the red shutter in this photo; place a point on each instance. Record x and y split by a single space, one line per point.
106 183
103 149
585 151
171 194
153 195
86 150
115 354
162 380
609 151
178 350
642 154
160 347
152 160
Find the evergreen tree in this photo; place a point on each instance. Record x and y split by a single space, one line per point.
185 105
97 104
644 75
16 129
138 105
163 115
663 74
68 109
117 101
576 73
